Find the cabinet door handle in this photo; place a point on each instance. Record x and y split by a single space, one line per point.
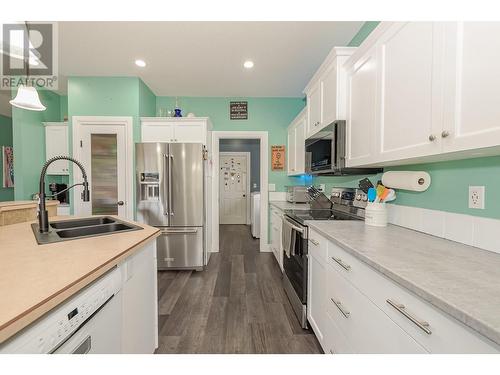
314 242
432 137
341 308
445 133
423 325
342 264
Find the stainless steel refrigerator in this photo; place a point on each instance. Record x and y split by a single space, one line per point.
170 196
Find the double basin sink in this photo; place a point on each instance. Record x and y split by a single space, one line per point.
73 229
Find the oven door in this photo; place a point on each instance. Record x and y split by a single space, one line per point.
295 256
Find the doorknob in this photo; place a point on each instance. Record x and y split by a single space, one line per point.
120 203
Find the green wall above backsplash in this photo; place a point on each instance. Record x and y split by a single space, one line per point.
264 114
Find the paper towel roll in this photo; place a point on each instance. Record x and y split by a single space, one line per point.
407 180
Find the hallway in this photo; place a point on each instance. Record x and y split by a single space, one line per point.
237 305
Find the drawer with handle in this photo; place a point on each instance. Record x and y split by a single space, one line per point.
435 330
369 330
317 246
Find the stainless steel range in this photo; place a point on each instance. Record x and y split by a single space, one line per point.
344 204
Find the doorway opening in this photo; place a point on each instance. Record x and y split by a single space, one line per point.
239 185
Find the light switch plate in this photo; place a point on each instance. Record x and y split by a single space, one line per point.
476 197
272 187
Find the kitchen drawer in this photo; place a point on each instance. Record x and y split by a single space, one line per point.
335 342
447 334
317 246
367 327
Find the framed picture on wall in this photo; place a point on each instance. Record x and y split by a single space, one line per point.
8 166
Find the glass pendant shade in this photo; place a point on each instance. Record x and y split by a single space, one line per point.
27 98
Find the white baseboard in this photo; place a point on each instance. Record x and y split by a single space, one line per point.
471 230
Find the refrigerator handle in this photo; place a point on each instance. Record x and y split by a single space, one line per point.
165 197
170 202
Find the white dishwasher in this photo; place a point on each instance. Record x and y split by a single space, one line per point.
89 322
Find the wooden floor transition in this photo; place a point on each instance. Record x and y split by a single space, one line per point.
237 305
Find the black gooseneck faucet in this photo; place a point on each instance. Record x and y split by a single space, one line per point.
43 216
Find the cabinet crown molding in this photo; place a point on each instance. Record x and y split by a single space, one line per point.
332 56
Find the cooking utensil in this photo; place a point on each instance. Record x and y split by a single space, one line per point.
372 194
365 184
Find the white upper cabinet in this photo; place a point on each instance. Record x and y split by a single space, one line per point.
56 144
472 109
361 110
326 94
296 145
410 86
435 93
176 130
314 109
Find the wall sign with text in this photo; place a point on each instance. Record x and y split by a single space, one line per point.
278 158
238 110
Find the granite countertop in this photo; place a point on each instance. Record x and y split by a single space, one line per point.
36 278
461 280
284 205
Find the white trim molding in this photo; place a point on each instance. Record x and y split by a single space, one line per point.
264 172
126 121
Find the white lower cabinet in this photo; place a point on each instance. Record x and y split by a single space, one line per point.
365 326
369 313
316 297
140 302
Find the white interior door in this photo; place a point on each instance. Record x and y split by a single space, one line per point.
103 154
234 187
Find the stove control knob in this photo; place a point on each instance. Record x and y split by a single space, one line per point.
358 197
365 198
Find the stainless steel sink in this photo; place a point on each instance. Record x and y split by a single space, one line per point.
81 222
82 228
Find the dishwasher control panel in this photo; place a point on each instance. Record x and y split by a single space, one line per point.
49 332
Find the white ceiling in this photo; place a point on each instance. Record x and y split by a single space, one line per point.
203 58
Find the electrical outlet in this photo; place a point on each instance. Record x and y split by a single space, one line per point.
321 187
476 197
272 187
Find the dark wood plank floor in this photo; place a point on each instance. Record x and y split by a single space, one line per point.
237 305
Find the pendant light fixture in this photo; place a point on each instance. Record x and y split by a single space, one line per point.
27 96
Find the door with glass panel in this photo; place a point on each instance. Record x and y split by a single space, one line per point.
103 151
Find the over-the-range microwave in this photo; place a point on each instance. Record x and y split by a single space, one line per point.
326 152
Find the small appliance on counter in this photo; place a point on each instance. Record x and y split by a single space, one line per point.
57 190
296 194
340 206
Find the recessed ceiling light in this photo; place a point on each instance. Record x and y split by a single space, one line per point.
248 64
140 63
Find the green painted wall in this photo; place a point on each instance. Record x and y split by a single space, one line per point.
29 143
363 32
6 194
63 110
264 114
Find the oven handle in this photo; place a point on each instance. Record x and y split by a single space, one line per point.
294 227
